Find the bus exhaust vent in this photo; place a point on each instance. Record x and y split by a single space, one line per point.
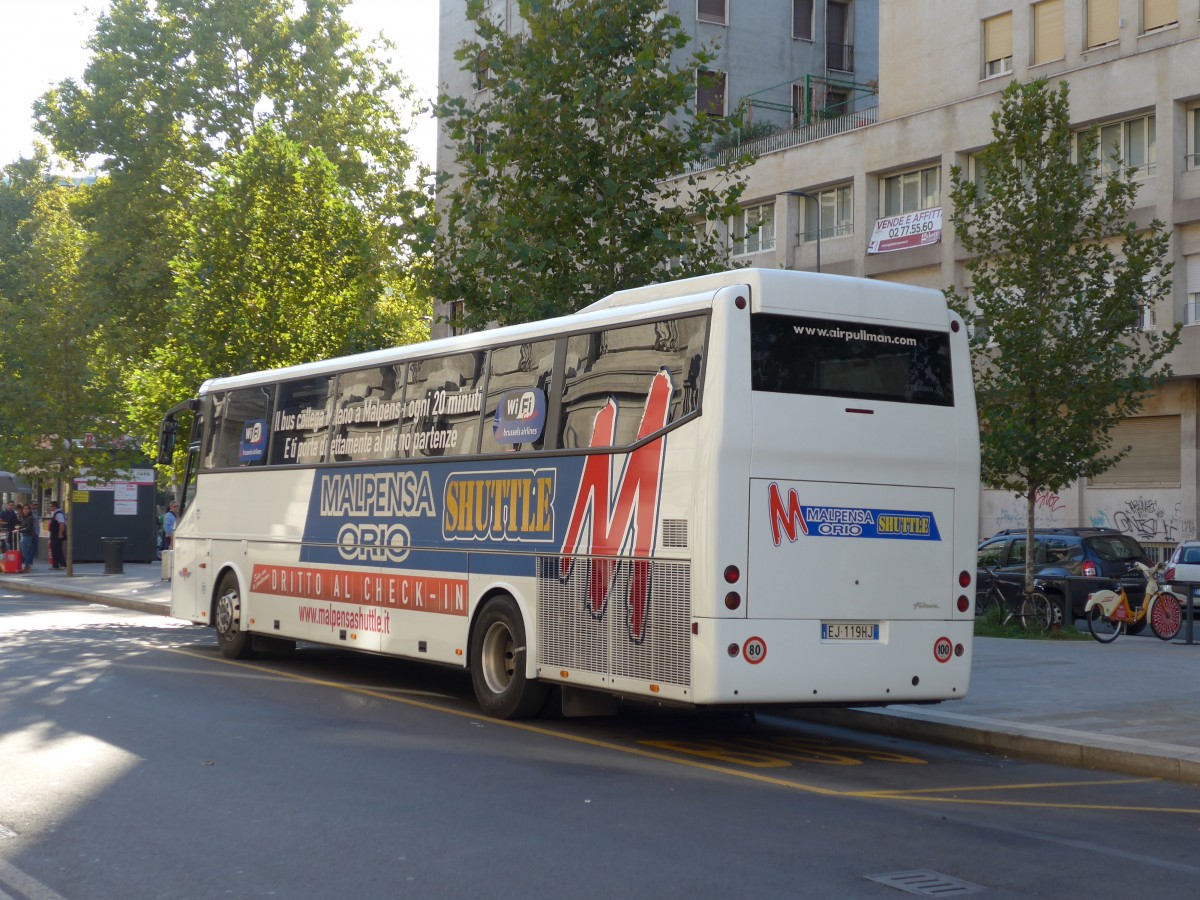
674 534
638 626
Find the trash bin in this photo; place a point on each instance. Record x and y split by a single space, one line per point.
114 555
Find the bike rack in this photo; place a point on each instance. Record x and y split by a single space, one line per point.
1192 587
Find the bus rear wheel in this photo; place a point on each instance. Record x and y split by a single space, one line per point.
497 659
233 640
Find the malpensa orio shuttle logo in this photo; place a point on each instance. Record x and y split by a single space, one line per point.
792 518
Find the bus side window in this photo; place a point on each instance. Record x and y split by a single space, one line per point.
618 365
300 427
515 375
238 428
443 401
366 414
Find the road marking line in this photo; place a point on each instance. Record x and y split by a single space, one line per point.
914 796
27 886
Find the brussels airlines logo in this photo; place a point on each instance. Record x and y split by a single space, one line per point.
792 519
620 523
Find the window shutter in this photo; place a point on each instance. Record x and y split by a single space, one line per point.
1047 32
1154 457
1101 22
997 38
1157 13
1192 274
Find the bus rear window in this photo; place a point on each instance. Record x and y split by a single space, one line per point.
827 358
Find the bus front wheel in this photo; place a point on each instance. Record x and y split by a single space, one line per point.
497 658
234 642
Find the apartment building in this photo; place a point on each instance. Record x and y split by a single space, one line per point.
1132 68
828 189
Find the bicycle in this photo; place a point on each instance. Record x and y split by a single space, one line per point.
1110 613
1032 611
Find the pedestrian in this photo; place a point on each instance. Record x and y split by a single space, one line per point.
58 536
10 521
28 531
37 527
169 521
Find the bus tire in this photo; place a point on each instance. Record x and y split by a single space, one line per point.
234 641
497 660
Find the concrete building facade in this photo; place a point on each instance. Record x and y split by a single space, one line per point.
882 195
865 192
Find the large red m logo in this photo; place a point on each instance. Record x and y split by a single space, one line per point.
606 525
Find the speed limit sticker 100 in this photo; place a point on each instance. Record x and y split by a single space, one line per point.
754 650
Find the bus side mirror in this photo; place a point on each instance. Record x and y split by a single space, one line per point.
166 441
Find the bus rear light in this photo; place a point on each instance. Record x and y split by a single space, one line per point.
964 578
564 673
959 649
733 649
733 600
740 302
695 628
732 574
963 603
654 688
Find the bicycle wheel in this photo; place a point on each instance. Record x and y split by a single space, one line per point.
1035 612
1166 615
990 607
1103 629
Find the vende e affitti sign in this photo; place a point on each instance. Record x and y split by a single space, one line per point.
914 229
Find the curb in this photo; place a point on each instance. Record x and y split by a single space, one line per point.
1003 743
35 587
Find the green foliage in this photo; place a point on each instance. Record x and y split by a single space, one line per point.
181 100
276 268
52 395
1058 275
570 176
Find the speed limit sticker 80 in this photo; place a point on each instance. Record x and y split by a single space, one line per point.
754 650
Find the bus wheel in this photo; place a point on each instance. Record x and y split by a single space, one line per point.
227 617
497 659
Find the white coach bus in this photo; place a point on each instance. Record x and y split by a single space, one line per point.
750 488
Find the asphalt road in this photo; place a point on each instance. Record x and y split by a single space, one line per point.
135 762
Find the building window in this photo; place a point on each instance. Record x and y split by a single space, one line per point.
1127 145
997 46
710 92
483 74
912 191
839 50
711 11
1159 14
802 20
1193 137
1102 22
1048 43
1191 272
829 213
753 230
456 312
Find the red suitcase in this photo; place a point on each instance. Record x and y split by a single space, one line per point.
12 562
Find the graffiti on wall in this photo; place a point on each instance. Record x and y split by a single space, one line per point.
1147 519
1004 510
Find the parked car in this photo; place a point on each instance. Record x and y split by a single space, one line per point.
1068 562
1182 575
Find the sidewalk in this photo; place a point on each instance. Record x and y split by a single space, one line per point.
1132 706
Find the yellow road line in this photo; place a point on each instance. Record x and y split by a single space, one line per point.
916 796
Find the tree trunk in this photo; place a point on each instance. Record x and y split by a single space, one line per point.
1030 548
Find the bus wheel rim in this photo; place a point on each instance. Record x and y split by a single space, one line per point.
498 658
